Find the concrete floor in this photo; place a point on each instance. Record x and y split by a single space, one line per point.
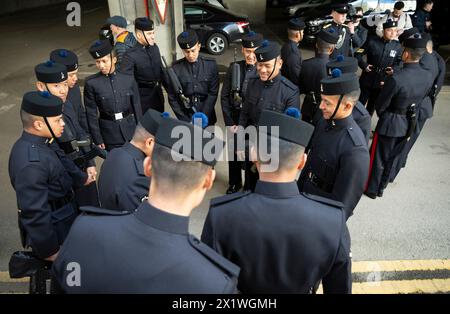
410 222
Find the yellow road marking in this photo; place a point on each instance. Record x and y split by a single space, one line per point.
390 266
402 287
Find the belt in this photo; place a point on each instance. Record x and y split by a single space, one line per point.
196 99
321 184
62 201
148 84
114 117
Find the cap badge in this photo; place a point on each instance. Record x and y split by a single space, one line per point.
187 45
252 44
96 53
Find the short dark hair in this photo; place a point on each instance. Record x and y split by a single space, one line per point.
287 152
323 46
175 176
399 5
141 134
357 9
27 119
353 96
428 2
416 53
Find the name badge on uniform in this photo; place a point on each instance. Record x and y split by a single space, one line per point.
393 53
118 116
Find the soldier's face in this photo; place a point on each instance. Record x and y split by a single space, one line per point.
328 105
57 125
249 55
191 54
428 7
73 78
105 64
149 35
60 89
339 18
397 13
390 33
265 69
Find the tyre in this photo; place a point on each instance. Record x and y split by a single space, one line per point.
216 44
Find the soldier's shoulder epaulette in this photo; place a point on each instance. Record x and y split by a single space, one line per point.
360 50
288 83
228 198
214 257
91 210
324 200
326 25
357 140
33 153
360 107
93 76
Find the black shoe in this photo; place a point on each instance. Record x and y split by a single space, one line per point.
233 188
380 194
370 195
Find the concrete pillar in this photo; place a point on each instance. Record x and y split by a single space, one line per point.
165 33
254 9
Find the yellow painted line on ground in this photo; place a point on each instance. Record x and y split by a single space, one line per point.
405 265
4 277
402 287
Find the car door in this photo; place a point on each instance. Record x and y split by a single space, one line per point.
195 17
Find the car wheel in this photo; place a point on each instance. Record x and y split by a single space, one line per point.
216 44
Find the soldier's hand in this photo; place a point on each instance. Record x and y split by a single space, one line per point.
52 258
369 68
102 146
92 171
389 71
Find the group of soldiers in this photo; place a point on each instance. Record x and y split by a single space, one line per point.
284 233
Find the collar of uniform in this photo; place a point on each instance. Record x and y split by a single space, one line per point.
249 67
411 65
162 220
323 56
111 74
34 138
342 123
293 43
277 190
274 80
134 151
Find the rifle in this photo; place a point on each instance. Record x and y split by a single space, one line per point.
176 85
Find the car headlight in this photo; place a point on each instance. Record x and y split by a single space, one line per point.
316 22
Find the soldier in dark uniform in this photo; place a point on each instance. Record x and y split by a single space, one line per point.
74 117
422 17
151 250
339 15
359 113
122 182
144 62
270 91
70 60
313 71
338 157
231 101
434 63
383 58
42 176
360 33
199 79
268 233
397 107
290 52
111 99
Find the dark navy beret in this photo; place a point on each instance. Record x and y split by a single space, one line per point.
339 84
390 24
65 57
42 104
340 8
345 64
100 48
407 33
187 39
296 24
117 20
415 41
328 35
252 40
144 24
151 120
50 72
267 51
290 129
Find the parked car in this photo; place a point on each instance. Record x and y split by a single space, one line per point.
299 8
316 17
215 27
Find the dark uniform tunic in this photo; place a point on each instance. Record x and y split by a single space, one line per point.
359 38
338 160
43 178
313 71
363 120
149 251
200 82
231 112
343 45
144 62
409 86
112 107
381 54
75 98
122 182
292 61
420 18
436 65
284 241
